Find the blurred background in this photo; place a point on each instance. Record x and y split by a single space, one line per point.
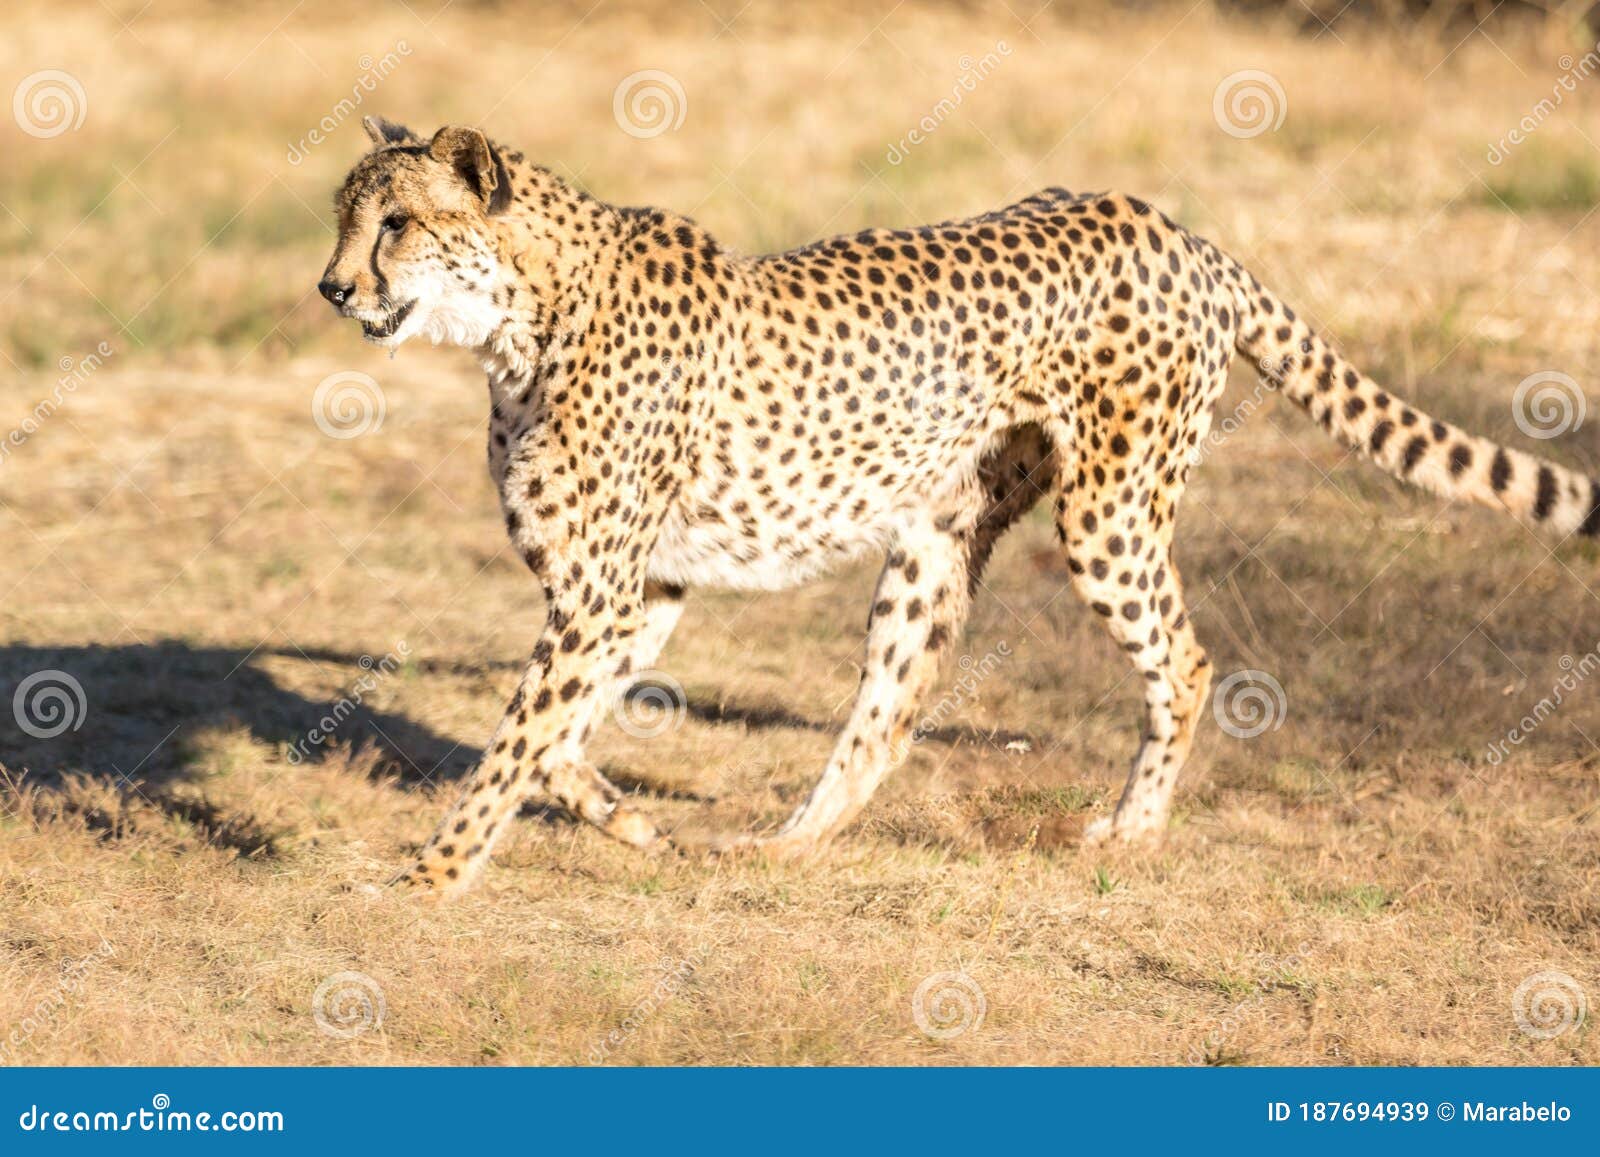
257 610
170 191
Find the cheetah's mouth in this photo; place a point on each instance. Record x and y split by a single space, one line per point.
376 330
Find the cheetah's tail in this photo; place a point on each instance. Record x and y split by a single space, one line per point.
1411 445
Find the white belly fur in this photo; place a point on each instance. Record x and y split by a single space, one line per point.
719 556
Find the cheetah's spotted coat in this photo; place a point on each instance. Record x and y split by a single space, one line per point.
667 413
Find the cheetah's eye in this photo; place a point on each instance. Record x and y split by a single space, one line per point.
395 222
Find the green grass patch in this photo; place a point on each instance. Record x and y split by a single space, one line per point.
1534 179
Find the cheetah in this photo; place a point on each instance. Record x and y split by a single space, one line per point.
666 413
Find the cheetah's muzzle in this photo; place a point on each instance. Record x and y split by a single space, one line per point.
666 413
376 331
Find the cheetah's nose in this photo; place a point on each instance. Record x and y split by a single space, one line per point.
334 292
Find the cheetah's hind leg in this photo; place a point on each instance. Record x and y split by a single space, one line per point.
929 578
1122 569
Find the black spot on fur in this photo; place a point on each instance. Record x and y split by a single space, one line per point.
1545 497
1500 471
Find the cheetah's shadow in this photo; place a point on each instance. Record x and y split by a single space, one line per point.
127 716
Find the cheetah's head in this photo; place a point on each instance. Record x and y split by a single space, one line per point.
418 249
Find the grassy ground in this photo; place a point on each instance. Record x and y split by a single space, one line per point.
1363 883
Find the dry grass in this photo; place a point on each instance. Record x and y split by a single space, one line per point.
1360 885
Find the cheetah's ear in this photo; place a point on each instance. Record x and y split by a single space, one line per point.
477 163
385 133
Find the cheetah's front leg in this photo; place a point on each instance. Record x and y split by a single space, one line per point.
538 746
